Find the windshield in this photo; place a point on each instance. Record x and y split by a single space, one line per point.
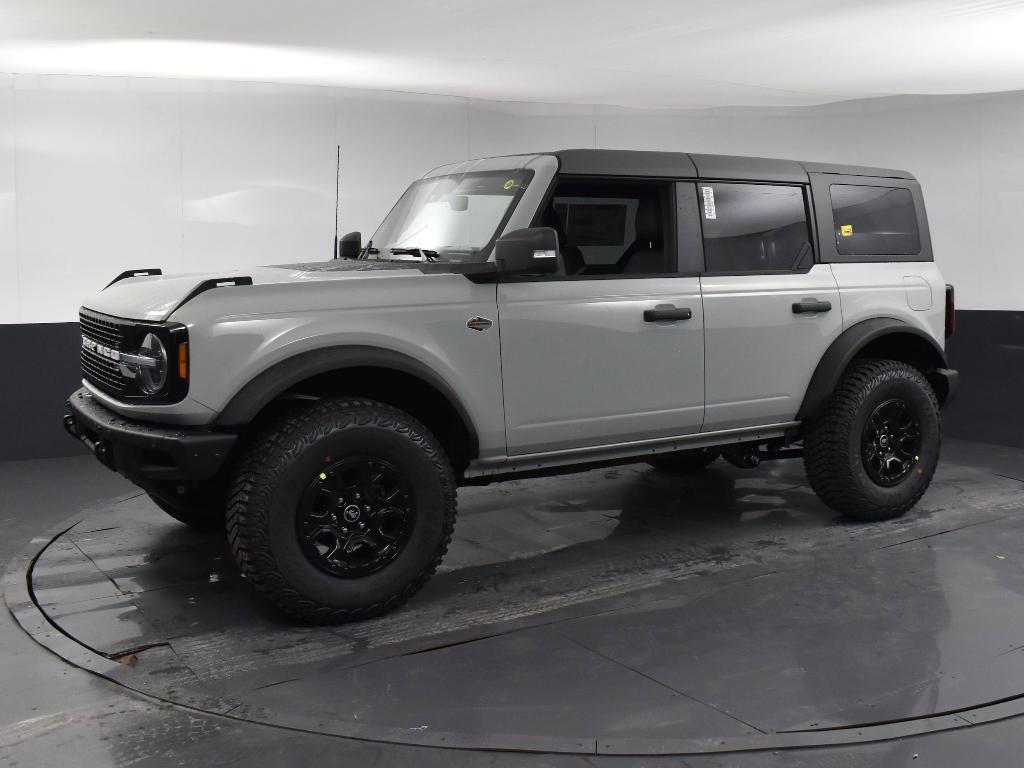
452 218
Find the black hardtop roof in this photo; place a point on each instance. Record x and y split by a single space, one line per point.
628 162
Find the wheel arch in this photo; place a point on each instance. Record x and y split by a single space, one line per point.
371 372
882 337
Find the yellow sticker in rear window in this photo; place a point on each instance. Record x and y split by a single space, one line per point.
846 230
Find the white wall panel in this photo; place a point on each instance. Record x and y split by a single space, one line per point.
387 140
667 131
258 174
9 282
991 268
509 128
939 142
98 172
797 134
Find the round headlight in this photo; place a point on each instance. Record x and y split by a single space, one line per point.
152 378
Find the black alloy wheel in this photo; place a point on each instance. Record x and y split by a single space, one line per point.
891 442
356 516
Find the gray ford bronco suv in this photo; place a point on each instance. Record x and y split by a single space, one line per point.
523 315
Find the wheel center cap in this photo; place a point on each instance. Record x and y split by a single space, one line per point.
351 513
883 441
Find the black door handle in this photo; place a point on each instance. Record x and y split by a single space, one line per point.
667 313
811 305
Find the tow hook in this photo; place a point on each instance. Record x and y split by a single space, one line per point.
69 425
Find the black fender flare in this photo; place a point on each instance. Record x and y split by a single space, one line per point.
247 403
845 348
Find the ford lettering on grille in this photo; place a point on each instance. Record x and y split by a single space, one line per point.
100 349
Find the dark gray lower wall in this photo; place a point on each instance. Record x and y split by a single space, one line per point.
988 350
42 369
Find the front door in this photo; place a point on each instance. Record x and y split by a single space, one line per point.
611 351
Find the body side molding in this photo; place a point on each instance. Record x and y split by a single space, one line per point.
845 348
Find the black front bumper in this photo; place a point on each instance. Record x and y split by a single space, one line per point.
152 456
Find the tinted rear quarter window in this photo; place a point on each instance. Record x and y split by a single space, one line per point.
872 221
754 227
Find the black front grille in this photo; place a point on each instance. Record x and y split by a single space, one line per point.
103 373
105 330
103 336
99 370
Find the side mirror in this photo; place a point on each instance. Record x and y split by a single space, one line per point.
350 245
532 251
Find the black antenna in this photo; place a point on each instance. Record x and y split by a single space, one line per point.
337 200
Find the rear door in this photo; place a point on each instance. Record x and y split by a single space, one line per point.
770 310
584 362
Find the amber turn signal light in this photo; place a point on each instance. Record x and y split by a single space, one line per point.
183 361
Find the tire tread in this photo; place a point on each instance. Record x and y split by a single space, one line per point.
826 441
269 455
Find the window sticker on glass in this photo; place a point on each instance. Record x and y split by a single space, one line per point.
709 202
872 220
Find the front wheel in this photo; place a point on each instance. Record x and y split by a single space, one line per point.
873 451
342 511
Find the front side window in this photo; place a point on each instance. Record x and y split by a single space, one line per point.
754 227
452 218
873 221
612 227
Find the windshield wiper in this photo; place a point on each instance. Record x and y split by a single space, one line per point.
368 250
421 252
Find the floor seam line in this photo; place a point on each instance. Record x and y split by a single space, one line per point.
660 683
94 565
941 533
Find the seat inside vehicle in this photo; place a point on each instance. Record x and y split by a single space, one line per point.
611 228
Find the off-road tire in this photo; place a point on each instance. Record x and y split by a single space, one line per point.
833 441
684 462
198 513
264 496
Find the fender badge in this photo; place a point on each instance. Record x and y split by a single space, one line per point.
478 323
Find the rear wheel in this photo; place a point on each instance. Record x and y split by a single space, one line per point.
683 462
341 512
873 451
199 512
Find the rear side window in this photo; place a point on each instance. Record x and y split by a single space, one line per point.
754 228
871 221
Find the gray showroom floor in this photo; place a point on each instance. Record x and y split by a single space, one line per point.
612 614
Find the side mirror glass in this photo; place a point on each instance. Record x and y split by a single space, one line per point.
532 251
350 245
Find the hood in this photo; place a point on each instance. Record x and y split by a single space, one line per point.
155 298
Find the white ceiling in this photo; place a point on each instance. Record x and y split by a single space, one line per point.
646 53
